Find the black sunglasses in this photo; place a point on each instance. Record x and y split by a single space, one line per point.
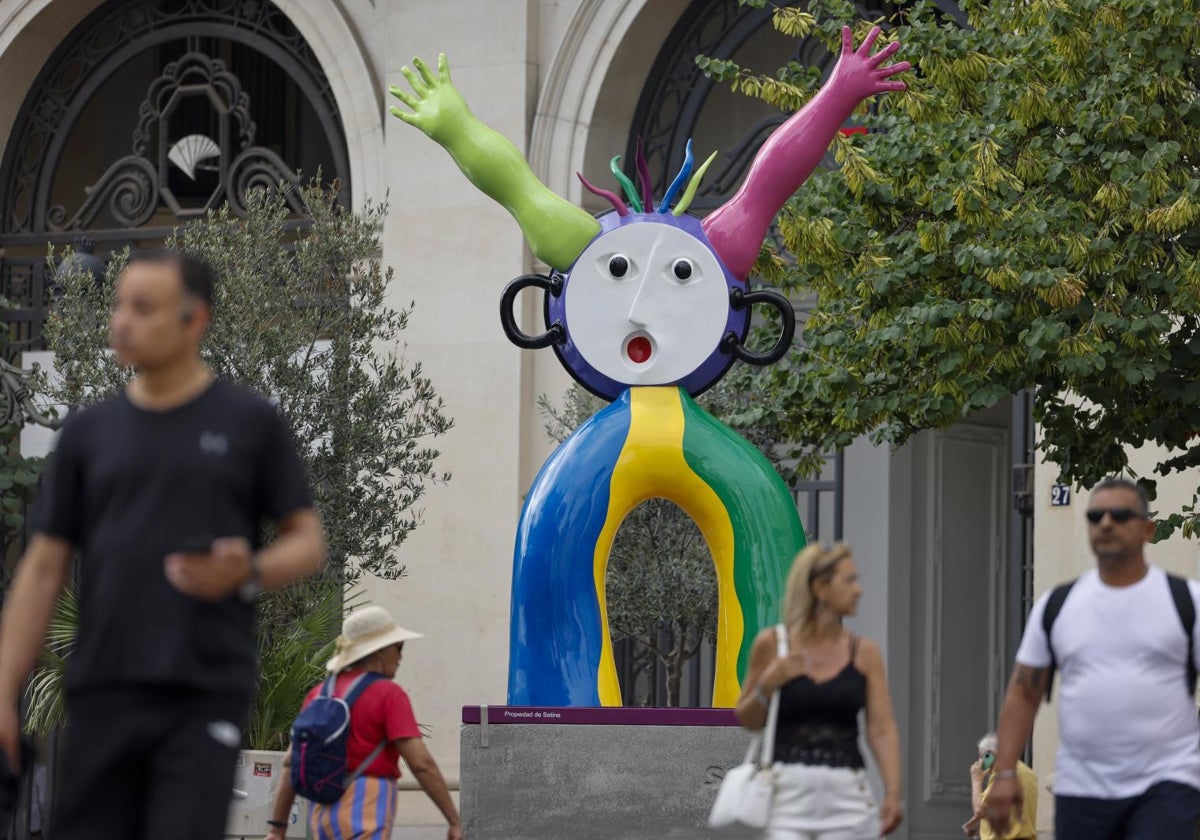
1119 515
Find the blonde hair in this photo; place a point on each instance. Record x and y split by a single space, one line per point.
815 562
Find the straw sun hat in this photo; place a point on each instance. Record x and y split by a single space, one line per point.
365 631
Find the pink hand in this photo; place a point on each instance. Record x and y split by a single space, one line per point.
736 228
859 74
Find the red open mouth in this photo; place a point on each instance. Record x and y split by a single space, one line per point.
639 349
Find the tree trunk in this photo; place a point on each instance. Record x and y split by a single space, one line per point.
675 661
674 676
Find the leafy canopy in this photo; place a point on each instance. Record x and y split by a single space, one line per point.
1025 216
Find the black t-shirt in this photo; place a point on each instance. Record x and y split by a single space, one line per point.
129 486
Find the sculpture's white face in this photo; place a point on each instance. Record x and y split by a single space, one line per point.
646 304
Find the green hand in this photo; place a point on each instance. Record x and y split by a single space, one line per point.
438 108
557 230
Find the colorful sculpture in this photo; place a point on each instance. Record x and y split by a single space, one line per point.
646 308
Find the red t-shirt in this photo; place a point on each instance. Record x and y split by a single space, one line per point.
381 711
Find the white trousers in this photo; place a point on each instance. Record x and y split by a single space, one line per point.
822 803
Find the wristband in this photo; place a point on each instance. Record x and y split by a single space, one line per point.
276 824
761 698
1006 774
249 590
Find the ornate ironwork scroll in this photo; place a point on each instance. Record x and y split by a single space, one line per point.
98 48
134 187
174 156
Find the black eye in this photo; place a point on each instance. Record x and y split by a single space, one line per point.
618 266
682 269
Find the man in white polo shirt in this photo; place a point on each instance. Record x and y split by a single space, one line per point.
1128 764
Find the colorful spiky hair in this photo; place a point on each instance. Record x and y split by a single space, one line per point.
645 203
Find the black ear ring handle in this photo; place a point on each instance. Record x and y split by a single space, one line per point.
732 343
551 285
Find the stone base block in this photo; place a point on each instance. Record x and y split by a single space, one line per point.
594 774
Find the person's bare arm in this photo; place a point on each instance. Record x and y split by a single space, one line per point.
28 608
429 777
882 733
977 788
751 709
1026 689
298 552
285 797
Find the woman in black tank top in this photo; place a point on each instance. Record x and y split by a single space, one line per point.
826 678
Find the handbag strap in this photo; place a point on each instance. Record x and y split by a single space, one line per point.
768 741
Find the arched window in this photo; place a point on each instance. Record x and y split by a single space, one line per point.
150 113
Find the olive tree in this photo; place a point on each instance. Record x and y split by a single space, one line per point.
302 315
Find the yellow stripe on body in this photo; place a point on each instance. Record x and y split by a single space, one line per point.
651 465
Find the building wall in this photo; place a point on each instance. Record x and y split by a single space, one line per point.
539 73
453 249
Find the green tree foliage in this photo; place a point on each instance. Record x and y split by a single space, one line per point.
661 588
1024 216
301 315
18 474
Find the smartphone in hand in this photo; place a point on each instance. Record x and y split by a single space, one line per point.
196 544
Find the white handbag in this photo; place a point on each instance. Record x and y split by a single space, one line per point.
744 798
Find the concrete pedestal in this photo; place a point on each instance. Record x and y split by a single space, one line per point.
532 773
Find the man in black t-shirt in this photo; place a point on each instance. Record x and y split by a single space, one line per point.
163 491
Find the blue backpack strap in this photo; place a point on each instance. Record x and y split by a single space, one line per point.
361 683
1053 607
329 686
1181 594
367 762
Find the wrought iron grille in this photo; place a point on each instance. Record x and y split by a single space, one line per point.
235 98
107 40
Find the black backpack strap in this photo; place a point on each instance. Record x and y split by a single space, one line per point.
1053 607
1181 594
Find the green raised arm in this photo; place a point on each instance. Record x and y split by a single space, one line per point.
556 230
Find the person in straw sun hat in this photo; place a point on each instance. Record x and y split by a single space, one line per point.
381 722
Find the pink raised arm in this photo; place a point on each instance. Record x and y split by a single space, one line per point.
792 152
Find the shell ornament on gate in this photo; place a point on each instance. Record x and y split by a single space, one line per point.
645 306
191 151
